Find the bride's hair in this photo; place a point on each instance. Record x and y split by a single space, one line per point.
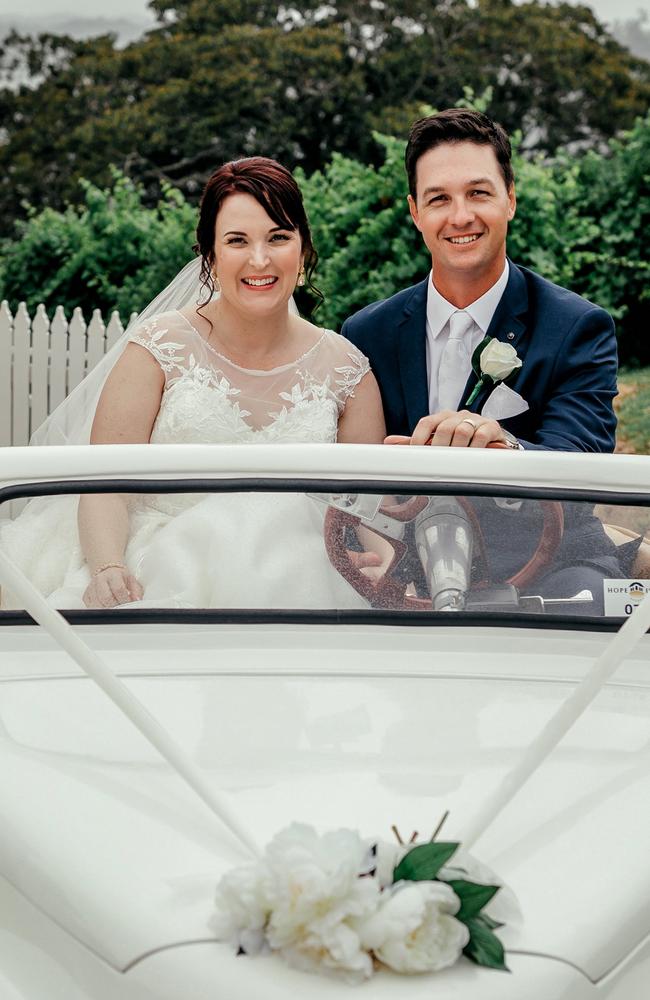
274 187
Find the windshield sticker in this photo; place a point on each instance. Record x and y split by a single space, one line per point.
623 596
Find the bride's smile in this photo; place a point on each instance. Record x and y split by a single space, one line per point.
264 282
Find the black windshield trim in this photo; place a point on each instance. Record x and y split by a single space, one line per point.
209 616
269 485
319 617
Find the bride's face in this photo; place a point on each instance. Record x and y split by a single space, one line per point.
256 261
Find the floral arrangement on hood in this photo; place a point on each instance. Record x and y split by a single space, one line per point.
336 904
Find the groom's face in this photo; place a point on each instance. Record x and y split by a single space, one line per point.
462 208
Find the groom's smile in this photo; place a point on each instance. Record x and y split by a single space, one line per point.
463 240
462 208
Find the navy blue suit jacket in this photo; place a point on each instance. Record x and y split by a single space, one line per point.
567 346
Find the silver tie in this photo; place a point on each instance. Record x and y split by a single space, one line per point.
455 363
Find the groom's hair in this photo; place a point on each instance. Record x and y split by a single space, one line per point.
457 125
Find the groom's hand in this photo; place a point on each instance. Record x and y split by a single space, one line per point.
453 429
369 563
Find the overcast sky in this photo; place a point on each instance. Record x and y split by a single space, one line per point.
607 10
78 8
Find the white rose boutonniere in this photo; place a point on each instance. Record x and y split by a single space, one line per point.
494 362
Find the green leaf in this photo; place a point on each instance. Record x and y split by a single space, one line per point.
491 922
484 947
473 897
423 862
476 356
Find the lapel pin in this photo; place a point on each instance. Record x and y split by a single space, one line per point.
510 335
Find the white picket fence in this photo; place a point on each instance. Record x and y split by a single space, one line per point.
47 359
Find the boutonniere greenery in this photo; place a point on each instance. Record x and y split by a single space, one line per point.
493 362
339 904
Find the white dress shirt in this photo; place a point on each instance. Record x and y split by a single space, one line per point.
439 311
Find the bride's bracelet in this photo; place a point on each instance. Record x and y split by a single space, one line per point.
110 565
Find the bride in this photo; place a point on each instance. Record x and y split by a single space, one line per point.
227 360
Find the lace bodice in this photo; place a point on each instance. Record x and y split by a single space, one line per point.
208 399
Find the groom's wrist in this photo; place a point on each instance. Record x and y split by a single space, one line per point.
511 441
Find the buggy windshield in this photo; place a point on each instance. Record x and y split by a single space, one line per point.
390 551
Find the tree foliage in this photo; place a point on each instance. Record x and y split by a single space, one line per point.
580 221
367 245
610 263
224 78
112 252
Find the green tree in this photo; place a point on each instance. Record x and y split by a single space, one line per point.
110 253
611 264
219 79
367 245
173 106
580 221
558 74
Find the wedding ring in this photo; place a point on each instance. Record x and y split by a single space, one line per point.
466 420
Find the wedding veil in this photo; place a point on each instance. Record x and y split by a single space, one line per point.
72 420
42 537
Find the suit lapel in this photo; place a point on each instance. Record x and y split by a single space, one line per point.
508 325
412 354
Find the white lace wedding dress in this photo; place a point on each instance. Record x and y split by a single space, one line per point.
214 550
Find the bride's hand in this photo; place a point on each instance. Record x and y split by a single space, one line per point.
110 586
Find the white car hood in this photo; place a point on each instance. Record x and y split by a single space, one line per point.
353 726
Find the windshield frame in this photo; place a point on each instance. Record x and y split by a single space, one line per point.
310 484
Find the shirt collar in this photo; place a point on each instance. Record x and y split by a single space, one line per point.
439 310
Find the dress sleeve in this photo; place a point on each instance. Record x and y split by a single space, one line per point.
162 338
350 366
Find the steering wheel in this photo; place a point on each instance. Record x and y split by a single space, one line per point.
390 592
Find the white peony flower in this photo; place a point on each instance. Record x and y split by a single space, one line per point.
242 910
414 929
303 895
331 947
314 891
499 360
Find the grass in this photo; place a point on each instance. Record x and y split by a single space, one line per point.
633 410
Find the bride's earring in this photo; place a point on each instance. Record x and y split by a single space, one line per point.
301 276
215 281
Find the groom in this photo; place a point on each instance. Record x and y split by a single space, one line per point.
552 354
558 351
